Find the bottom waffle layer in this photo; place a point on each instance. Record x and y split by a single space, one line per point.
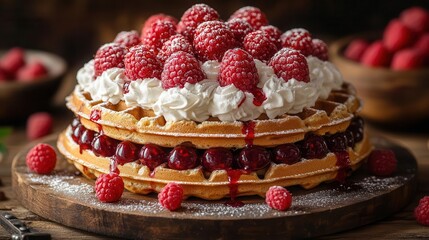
219 183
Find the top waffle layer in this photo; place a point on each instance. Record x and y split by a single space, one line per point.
142 126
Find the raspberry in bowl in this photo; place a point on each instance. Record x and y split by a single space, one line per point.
389 69
28 79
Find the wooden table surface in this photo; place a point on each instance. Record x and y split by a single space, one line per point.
401 225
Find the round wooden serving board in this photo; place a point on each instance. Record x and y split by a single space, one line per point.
68 198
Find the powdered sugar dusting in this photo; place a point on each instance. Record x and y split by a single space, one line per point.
67 184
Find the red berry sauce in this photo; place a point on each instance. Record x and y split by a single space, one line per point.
343 163
259 97
233 177
248 130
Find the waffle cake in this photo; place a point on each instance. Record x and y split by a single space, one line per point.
227 122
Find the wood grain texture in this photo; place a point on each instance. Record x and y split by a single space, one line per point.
306 218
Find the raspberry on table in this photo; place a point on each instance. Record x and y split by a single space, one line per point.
154 18
141 62
254 16
421 212
278 198
158 34
109 187
38 125
382 162
108 56
259 45
238 68
176 43
127 38
320 49
192 17
41 158
180 68
171 196
289 63
298 39
212 39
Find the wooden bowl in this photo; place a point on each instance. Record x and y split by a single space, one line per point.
392 97
20 99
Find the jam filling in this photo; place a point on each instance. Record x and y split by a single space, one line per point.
250 158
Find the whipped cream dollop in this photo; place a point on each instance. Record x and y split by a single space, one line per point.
143 92
207 98
108 87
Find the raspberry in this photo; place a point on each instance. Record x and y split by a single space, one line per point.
298 39
212 39
355 49
376 55
109 55
254 16
140 63
407 59
278 198
127 39
41 158
32 71
421 212
154 18
171 196
416 18
274 34
180 68
259 45
11 61
397 36
109 187
158 34
422 45
192 17
239 28
238 68
382 162
39 125
289 63
176 43
320 49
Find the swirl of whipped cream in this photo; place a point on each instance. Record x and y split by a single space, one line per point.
211 69
108 86
327 74
305 94
85 75
279 97
143 92
231 104
190 102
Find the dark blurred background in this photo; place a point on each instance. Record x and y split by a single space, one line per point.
75 29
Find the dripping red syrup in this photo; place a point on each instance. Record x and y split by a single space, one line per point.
126 86
343 164
233 177
259 97
249 131
344 167
95 116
